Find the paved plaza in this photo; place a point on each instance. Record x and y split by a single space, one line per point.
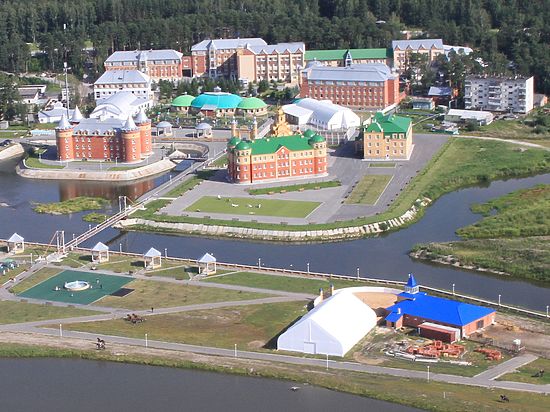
343 166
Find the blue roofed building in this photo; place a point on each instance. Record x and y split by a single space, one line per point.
414 308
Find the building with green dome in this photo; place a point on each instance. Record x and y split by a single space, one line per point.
252 106
182 103
277 158
216 104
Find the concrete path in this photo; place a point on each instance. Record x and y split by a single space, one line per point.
506 367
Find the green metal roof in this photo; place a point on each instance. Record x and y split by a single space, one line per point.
356 54
183 101
389 124
316 139
251 103
234 141
243 145
271 145
309 133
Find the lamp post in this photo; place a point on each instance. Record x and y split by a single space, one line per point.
547 308
357 273
146 341
428 373
120 247
235 350
308 273
165 252
259 263
453 289
498 300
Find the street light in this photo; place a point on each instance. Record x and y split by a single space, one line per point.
357 273
453 289
428 373
259 263
498 300
308 273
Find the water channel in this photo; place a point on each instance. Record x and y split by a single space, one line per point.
78 385
382 257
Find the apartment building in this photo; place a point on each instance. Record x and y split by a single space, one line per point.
114 81
157 64
499 94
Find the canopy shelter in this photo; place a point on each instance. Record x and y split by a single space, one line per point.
203 130
16 243
164 129
152 259
207 264
100 253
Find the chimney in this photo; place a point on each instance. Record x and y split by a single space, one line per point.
234 128
254 132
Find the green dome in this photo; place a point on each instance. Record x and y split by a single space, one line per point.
251 103
316 139
234 141
183 101
309 133
242 146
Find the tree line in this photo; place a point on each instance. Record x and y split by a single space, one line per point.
512 35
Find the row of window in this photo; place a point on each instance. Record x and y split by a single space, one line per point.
387 149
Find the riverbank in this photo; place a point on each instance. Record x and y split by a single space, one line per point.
460 163
407 391
152 169
11 151
511 239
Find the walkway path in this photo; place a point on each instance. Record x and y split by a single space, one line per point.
506 367
512 141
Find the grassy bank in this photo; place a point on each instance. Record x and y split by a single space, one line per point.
78 204
460 163
512 237
295 188
34 162
369 189
412 392
190 183
17 312
530 373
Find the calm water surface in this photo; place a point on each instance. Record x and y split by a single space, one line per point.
78 385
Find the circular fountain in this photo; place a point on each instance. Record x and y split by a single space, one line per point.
76 285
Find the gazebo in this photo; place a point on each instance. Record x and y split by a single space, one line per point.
152 259
16 243
100 253
207 264
164 128
203 130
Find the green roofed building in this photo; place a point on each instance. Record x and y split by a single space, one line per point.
182 103
386 137
277 158
346 57
252 106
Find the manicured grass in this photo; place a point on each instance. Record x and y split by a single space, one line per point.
510 129
101 285
35 163
382 164
77 204
460 163
75 260
149 293
369 189
278 282
36 278
247 206
295 188
527 373
220 162
250 327
17 312
190 183
122 168
124 264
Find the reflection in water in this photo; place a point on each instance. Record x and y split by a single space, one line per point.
69 189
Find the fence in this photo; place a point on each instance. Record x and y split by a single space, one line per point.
320 275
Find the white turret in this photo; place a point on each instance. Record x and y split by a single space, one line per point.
129 125
77 116
64 123
141 118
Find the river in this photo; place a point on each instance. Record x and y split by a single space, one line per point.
381 257
89 386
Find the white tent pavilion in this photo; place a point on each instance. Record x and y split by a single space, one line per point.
16 243
332 328
207 264
100 253
152 259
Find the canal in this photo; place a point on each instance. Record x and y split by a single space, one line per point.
381 257
89 386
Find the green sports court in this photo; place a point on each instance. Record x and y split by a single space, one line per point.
53 288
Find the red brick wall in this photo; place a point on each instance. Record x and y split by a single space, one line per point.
145 138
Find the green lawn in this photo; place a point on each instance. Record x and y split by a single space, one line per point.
382 164
150 293
527 373
190 183
35 163
295 188
250 327
247 206
77 204
17 312
369 189
220 162
278 282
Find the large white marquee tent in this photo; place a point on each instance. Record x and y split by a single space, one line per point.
322 114
332 328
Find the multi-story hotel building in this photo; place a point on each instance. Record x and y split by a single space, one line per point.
114 81
277 157
157 64
110 139
248 60
387 137
499 94
369 86
347 57
402 50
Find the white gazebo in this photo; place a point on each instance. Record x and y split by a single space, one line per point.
100 253
164 128
207 264
16 243
204 130
152 259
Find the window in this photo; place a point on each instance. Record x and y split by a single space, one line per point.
480 324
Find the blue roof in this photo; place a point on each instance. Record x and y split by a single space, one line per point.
438 309
394 317
219 100
412 281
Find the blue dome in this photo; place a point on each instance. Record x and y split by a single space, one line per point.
219 100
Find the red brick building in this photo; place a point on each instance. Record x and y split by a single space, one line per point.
369 86
157 64
110 139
